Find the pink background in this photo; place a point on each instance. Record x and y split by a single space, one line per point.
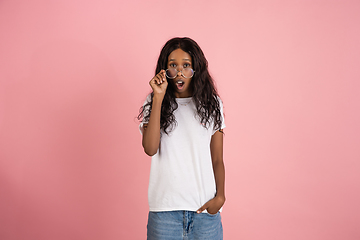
73 75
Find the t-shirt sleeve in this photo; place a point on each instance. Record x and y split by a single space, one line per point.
222 117
146 111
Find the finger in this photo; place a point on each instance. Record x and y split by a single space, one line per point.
161 76
160 79
157 79
152 82
200 210
163 79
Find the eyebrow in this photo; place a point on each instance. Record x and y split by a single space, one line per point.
183 59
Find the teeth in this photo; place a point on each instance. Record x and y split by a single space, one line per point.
179 81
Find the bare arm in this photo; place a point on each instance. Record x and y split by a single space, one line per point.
216 147
151 130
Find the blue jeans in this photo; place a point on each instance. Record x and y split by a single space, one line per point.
176 225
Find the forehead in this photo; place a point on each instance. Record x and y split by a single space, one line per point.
179 55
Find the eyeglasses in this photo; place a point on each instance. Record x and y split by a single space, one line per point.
186 72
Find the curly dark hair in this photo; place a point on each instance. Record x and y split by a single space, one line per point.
204 92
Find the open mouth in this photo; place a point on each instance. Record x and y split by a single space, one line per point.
180 84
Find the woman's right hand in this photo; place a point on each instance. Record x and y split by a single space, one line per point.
159 84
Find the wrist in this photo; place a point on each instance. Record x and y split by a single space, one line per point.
221 196
158 98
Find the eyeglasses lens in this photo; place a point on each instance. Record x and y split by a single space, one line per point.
171 72
188 72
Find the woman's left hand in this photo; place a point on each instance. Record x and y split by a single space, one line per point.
213 205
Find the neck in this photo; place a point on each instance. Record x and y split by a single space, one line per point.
183 95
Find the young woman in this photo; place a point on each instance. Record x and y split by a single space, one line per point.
182 123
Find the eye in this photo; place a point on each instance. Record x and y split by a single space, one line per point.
173 65
186 65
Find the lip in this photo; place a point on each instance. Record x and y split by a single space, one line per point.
179 84
176 80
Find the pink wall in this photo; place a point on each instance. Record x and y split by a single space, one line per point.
73 75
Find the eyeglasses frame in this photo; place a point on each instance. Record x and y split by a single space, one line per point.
177 71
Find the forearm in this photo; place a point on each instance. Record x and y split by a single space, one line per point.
219 173
214 204
151 136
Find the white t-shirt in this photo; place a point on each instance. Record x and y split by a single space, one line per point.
181 175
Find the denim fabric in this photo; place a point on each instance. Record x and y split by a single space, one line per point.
180 225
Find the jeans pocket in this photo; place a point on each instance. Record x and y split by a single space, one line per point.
212 215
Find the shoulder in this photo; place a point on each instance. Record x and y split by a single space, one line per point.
147 99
